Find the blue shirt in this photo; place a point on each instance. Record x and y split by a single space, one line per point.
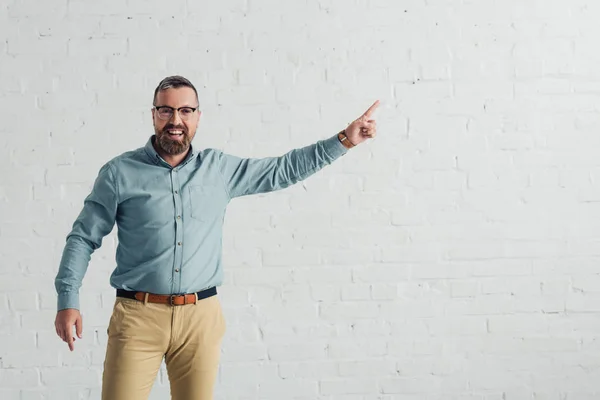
170 219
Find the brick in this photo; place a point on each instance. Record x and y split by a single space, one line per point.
88 377
322 275
289 312
296 293
30 359
264 276
464 288
273 388
18 302
297 352
581 302
407 385
363 368
325 292
10 323
381 273
459 326
354 386
349 310
308 370
356 292
10 394
19 378
244 353
291 258
355 349
19 340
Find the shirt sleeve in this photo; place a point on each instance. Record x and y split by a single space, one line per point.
246 176
95 221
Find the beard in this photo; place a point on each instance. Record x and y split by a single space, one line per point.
173 146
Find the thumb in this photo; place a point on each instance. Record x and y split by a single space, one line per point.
79 327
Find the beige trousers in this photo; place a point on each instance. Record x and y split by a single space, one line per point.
140 335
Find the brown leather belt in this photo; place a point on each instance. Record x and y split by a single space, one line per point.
170 299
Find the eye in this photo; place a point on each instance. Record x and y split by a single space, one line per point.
186 111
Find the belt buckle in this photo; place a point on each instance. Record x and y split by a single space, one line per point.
171 298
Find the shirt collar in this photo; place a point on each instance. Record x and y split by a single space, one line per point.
157 159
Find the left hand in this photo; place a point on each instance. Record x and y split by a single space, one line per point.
364 127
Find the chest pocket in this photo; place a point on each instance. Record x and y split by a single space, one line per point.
206 202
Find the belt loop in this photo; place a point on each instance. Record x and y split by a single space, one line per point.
146 298
196 297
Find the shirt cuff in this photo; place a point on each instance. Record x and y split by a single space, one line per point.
68 300
334 147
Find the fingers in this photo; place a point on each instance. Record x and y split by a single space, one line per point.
371 109
369 133
60 330
71 342
364 126
64 331
368 125
369 129
66 337
79 327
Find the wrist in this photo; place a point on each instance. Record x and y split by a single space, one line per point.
344 140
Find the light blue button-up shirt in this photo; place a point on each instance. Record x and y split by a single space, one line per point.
170 220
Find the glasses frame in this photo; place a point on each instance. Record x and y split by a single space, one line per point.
173 110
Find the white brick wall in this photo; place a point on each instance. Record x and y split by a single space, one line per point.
453 258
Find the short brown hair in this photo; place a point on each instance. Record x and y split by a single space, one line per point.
173 82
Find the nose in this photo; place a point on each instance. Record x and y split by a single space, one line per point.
176 118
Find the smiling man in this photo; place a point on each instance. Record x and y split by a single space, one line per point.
168 200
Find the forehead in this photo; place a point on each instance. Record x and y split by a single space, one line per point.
180 97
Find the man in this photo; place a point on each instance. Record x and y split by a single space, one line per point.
168 200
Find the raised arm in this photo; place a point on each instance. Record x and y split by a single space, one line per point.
244 176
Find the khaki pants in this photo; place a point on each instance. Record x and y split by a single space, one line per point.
140 335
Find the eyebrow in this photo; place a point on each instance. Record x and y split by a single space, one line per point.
164 105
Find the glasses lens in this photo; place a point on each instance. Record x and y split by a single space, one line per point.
185 113
165 113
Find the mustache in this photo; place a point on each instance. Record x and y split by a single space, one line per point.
171 126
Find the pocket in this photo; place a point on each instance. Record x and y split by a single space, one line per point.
222 317
210 320
111 323
206 202
124 312
125 301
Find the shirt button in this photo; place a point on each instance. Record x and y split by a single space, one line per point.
178 243
177 191
176 269
179 217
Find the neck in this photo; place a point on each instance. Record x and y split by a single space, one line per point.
172 160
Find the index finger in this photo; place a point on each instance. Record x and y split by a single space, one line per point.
71 343
68 337
371 109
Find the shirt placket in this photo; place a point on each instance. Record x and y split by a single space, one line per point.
177 201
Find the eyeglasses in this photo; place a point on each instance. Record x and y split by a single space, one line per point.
166 113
